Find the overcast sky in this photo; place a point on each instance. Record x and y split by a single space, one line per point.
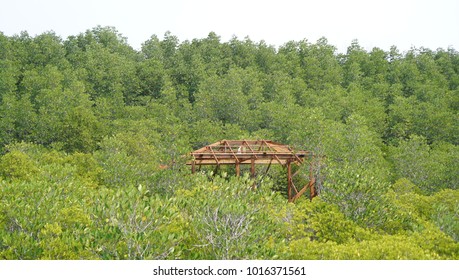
380 23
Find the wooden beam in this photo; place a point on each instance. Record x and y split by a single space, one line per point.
213 152
215 156
237 152
310 187
250 148
289 181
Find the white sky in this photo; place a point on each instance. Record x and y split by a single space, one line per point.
378 23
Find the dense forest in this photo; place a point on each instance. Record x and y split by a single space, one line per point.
94 137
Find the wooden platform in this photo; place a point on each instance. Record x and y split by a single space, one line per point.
253 152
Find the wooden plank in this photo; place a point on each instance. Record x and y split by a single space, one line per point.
309 186
220 153
211 161
215 156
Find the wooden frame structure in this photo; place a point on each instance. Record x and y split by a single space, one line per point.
265 152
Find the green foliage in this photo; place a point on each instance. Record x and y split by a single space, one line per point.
363 199
125 162
131 223
231 99
227 218
439 209
94 137
17 165
321 222
385 248
430 167
18 118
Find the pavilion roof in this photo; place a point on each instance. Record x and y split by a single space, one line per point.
227 152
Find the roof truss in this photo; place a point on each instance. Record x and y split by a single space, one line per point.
228 152
237 152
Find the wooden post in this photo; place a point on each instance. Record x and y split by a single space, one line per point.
193 167
289 178
312 182
252 172
238 169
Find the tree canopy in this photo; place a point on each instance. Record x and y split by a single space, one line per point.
94 136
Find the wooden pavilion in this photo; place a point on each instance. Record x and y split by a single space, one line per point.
253 152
